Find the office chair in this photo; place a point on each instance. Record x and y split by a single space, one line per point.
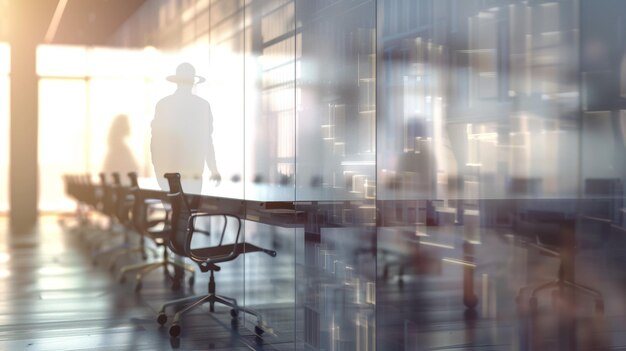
182 230
78 188
159 237
546 227
116 206
105 205
124 202
546 231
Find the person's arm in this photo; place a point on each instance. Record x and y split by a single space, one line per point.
210 155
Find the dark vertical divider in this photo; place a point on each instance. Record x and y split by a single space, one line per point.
24 109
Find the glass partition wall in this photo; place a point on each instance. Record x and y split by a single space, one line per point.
335 171
432 163
498 124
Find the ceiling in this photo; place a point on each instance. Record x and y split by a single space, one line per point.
83 22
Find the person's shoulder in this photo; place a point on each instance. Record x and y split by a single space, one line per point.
165 100
201 102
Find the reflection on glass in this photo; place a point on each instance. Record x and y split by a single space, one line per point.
486 165
336 101
439 161
269 121
335 165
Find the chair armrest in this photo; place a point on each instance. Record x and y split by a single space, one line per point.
195 215
221 258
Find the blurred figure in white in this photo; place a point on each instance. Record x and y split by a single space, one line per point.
182 131
119 157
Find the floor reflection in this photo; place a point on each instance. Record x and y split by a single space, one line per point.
423 289
413 300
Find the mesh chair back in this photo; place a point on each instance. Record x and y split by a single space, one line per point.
108 197
181 231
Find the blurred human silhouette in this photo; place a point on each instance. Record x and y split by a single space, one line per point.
416 163
182 131
119 157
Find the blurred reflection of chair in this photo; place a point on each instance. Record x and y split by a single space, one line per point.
549 225
183 221
397 246
554 235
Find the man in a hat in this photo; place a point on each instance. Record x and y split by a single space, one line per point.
182 133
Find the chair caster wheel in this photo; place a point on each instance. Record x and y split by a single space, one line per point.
162 318
122 279
258 331
234 313
138 286
192 280
174 330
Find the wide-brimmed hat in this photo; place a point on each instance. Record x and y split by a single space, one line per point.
185 74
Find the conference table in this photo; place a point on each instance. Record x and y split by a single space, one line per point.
313 209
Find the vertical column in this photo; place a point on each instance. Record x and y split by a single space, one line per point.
24 108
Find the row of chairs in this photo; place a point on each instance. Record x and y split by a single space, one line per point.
130 210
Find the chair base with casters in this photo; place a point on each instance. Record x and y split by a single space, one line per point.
560 284
193 302
552 232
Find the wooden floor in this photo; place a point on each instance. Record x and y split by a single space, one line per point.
53 298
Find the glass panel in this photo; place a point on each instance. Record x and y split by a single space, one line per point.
108 120
482 158
335 178
116 128
444 157
269 105
270 164
62 61
225 88
63 144
108 62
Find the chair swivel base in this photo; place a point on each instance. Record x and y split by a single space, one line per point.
559 284
194 302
